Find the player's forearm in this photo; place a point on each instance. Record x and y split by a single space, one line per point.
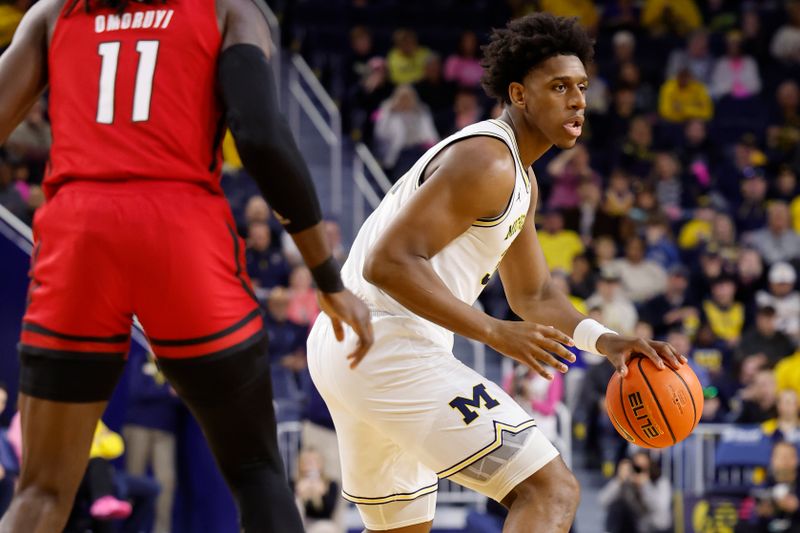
313 244
265 144
416 286
550 307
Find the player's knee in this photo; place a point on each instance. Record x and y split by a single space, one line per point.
554 485
45 501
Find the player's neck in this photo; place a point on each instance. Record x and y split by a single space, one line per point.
531 142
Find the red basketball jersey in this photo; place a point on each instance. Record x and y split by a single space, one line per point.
133 95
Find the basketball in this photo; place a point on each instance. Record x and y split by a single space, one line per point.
654 408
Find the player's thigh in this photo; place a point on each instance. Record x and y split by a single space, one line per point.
78 299
194 297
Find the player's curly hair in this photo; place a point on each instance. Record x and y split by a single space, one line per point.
524 43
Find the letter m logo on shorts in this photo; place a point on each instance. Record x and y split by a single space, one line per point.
478 394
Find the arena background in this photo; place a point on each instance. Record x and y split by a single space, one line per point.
677 216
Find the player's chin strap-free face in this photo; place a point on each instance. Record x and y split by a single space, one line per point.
267 147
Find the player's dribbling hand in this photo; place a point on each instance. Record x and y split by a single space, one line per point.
344 306
618 350
531 344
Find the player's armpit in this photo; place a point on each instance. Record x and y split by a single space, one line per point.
23 69
471 179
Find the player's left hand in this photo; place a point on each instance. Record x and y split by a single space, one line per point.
345 307
619 349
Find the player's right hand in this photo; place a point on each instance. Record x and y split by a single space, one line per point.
531 344
344 306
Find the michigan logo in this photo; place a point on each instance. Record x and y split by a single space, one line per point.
464 405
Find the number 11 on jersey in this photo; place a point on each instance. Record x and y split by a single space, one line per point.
143 90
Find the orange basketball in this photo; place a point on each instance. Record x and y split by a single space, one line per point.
654 408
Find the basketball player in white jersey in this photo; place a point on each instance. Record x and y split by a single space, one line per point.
411 413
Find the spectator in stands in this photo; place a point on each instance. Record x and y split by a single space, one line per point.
783 132
366 97
559 245
616 309
31 141
591 219
722 312
598 95
751 213
778 241
786 426
9 466
749 275
642 279
623 51
406 60
464 67
637 155
255 210
735 74
681 341
604 250
620 13
699 156
317 495
303 307
786 188
585 10
782 297
682 98
466 110
675 307
630 77
758 399
569 169
764 337
10 17
696 57
670 16
10 197
668 184
153 418
437 93
361 51
265 264
404 124
537 395
723 238
785 45
582 281
287 340
778 500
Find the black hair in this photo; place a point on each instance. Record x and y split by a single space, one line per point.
119 5
525 43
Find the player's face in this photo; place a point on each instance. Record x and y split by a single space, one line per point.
554 96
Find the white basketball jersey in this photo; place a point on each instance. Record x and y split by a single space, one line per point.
467 263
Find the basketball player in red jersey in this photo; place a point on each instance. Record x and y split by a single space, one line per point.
136 223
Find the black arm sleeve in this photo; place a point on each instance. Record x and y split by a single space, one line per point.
263 139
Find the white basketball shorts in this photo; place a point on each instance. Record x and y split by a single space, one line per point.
411 413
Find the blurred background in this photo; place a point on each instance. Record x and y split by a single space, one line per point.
676 216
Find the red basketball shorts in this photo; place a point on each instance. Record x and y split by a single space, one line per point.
167 252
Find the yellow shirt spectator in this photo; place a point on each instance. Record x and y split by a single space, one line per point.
679 101
406 61
560 248
726 323
787 373
693 233
660 16
106 444
9 20
585 10
795 209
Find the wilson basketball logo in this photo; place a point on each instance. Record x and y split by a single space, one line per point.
642 415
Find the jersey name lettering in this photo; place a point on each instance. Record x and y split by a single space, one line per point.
158 19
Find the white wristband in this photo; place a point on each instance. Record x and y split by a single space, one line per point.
587 333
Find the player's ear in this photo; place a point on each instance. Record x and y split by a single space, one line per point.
516 93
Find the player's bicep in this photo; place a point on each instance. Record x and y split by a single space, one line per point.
474 179
23 70
245 23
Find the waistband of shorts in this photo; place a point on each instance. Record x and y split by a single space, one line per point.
124 187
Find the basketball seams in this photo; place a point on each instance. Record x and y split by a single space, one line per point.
691 397
632 427
655 399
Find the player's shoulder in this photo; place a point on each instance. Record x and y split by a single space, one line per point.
480 158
